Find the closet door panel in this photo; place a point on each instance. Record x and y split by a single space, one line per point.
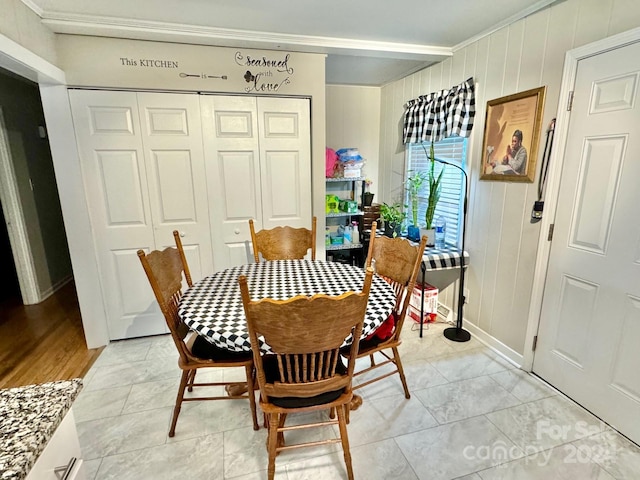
258 159
237 168
281 189
174 155
108 132
174 171
233 175
117 178
143 167
285 161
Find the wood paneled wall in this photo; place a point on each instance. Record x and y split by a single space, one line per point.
501 240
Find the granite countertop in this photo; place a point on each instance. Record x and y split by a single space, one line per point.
29 416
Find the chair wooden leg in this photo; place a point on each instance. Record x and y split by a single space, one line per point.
355 402
252 397
283 418
176 409
342 423
192 380
372 360
272 443
398 362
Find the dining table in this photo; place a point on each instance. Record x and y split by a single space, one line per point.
213 308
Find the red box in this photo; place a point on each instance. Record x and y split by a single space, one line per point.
430 311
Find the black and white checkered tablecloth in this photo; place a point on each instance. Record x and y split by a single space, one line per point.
442 259
213 306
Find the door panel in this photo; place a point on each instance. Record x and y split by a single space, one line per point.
172 139
624 373
112 158
143 169
285 155
143 162
258 167
238 168
599 174
577 298
281 189
118 179
590 321
230 126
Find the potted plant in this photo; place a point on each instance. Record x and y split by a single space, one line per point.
393 216
414 184
368 196
434 196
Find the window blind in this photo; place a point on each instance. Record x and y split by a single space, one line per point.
453 150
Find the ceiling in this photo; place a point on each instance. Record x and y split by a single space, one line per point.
367 42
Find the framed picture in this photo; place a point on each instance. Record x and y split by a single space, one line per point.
512 136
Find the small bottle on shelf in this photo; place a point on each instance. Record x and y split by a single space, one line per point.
355 234
347 238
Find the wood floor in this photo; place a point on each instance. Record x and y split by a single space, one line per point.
43 342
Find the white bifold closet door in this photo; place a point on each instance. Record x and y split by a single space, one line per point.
258 161
144 173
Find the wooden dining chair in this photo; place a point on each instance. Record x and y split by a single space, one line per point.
368 241
164 270
283 243
183 258
397 261
303 371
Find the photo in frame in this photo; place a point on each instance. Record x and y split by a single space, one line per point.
512 136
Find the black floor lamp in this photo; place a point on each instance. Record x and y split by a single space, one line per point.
457 333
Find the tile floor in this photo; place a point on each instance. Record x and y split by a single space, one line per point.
472 415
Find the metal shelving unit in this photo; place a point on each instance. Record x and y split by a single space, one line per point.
344 214
349 247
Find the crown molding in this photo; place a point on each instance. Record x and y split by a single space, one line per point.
32 6
512 19
182 33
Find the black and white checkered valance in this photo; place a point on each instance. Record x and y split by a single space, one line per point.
438 115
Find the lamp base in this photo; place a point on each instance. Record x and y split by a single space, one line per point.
457 334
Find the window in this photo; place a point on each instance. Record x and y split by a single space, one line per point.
452 150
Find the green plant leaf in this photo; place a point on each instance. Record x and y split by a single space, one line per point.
414 184
434 189
392 213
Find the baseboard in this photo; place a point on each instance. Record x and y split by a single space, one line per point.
495 344
54 288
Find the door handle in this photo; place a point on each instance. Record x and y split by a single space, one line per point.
182 234
237 231
62 473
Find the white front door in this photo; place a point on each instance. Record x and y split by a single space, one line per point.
589 332
258 159
143 168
